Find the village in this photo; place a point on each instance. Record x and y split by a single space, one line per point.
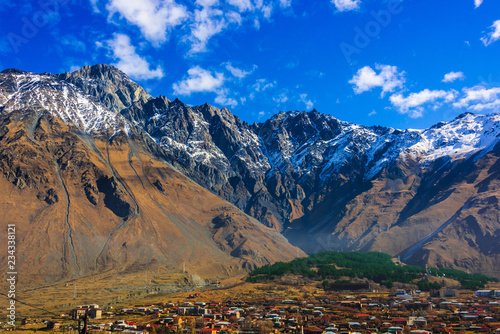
315 312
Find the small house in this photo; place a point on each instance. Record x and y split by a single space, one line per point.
484 293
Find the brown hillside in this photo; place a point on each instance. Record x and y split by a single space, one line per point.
83 206
445 217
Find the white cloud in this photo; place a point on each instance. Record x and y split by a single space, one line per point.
479 98
282 98
478 3
199 80
242 5
494 35
256 23
309 104
93 3
234 17
207 23
285 3
346 5
74 68
211 18
129 61
452 76
266 10
225 101
389 79
263 84
236 72
201 19
155 18
262 115
490 106
412 105
372 113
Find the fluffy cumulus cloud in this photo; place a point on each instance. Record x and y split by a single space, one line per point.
212 17
480 98
494 34
195 22
388 78
453 76
478 3
413 104
346 5
199 80
129 61
155 18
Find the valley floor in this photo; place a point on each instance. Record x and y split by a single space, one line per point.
238 307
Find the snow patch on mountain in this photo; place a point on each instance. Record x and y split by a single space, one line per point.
302 142
460 138
61 99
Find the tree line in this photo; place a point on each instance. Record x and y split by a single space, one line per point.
374 266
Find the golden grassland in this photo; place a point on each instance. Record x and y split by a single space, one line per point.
113 293
149 287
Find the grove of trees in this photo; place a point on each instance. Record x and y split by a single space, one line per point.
374 266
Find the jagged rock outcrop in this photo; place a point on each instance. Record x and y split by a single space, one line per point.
106 84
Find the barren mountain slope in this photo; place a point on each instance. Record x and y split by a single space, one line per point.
428 195
84 204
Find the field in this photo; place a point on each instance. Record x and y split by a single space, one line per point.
106 290
132 290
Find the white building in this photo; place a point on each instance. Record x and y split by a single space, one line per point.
484 293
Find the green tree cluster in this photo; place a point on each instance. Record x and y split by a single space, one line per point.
375 266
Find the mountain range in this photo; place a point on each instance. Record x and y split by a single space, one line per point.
100 175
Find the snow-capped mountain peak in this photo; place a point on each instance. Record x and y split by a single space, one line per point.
462 137
307 174
64 100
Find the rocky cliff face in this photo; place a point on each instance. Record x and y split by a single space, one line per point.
332 185
107 85
93 198
427 195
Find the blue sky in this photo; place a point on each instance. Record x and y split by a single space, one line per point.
405 64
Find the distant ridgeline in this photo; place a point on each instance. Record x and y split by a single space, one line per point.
374 266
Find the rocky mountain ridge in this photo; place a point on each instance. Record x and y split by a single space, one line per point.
322 182
87 194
